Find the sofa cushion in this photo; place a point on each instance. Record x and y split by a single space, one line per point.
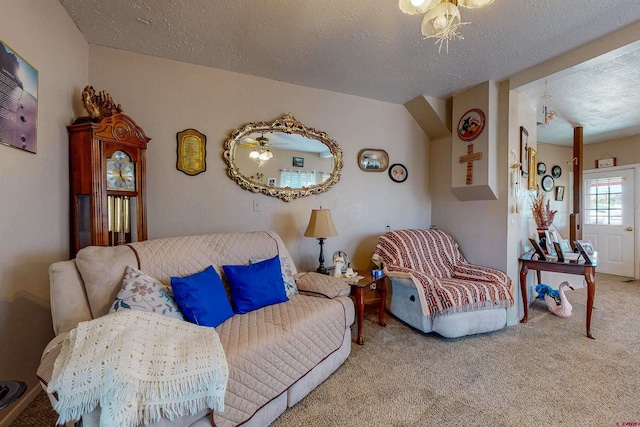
102 269
270 349
202 298
144 293
317 284
290 287
255 285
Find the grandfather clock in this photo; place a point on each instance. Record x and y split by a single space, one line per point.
107 178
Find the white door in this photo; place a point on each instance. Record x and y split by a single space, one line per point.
609 219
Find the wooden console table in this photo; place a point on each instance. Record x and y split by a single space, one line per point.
588 270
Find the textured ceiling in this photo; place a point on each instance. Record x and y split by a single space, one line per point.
364 48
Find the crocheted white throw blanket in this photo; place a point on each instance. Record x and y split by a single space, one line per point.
139 367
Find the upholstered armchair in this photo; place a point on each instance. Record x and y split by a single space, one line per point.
434 288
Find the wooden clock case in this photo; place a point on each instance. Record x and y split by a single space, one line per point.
91 143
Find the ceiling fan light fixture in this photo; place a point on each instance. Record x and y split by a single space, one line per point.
474 4
442 18
413 7
442 23
254 154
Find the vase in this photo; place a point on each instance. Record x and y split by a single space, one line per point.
542 238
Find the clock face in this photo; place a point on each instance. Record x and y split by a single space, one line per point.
121 172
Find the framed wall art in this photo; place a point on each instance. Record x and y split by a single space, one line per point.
533 162
298 162
191 152
524 151
373 160
471 124
18 101
398 173
547 183
560 193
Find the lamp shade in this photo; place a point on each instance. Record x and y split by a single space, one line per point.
320 224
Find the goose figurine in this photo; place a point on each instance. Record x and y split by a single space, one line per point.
556 301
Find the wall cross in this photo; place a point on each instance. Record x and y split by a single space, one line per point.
469 159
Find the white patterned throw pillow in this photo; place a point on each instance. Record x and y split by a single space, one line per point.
144 293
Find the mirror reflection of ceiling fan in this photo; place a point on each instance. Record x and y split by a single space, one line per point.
261 141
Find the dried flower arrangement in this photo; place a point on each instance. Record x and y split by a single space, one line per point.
541 210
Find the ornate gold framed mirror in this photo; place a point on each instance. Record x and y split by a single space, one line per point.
283 158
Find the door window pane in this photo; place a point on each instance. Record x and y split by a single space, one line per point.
603 201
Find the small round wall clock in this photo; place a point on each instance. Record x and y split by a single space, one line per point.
471 125
398 173
547 183
556 171
542 168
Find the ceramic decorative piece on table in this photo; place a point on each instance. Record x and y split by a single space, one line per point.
345 261
338 263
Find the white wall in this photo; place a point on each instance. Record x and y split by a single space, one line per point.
34 215
165 97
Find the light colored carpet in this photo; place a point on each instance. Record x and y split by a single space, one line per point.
542 373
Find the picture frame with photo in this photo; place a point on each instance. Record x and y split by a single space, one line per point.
565 245
298 162
551 237
373 160
538 249
559 253
585 247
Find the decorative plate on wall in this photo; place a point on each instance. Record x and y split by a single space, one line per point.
471 125
398 172
542 168
547 183
556 171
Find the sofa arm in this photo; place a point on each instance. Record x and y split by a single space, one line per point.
49 356
321 285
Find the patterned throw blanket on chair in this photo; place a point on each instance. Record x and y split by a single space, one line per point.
139 367
431 258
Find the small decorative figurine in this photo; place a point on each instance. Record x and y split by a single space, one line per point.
556 301
349 272
338 263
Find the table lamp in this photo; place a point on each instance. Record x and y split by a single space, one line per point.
321 226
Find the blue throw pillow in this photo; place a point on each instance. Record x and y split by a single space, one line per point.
202 298
256 285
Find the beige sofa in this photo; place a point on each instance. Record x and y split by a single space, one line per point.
276 354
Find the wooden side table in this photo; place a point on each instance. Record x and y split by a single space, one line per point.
363 286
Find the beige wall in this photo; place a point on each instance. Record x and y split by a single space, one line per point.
559 155
625 150
165 97
34 213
